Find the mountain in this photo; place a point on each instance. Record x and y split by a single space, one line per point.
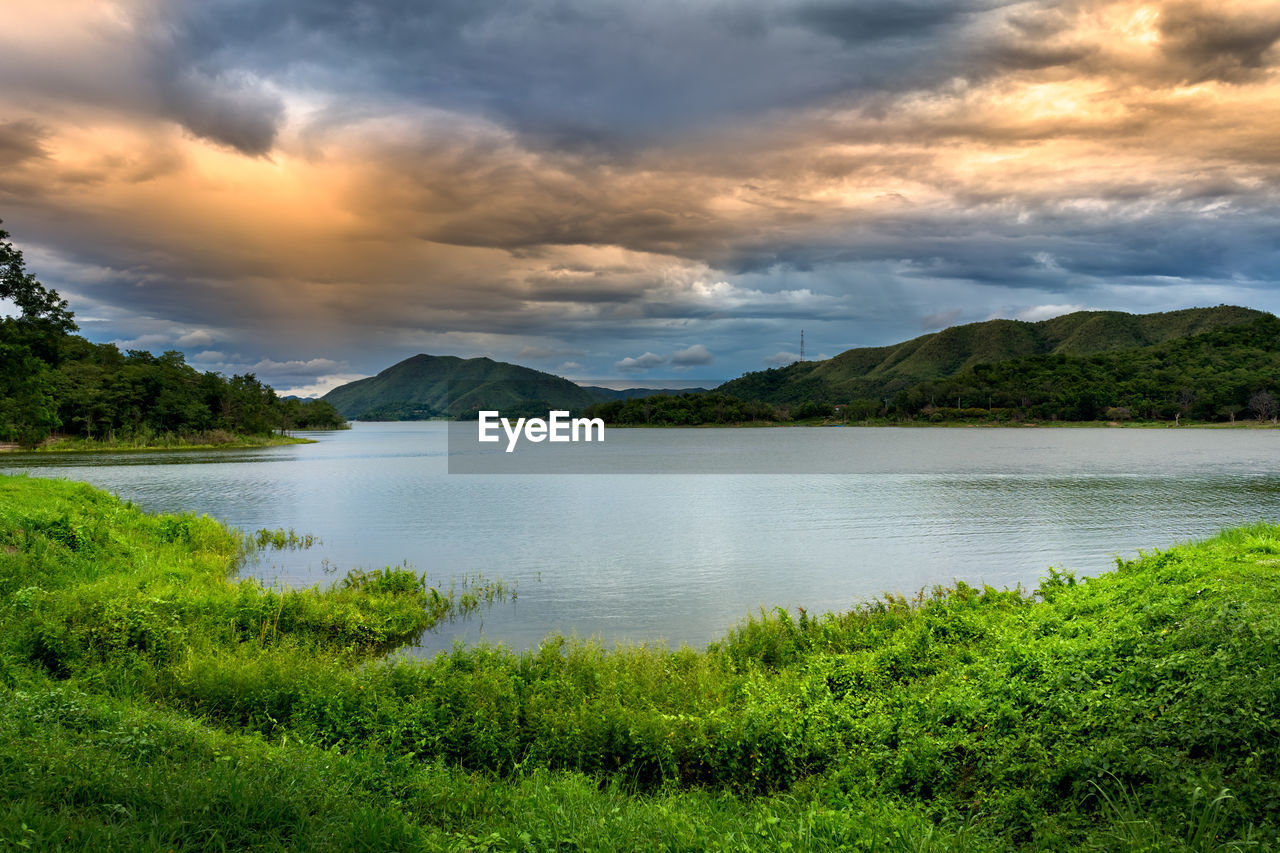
1212 376
428 386
875 372
432 386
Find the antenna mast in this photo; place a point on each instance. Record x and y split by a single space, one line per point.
802 344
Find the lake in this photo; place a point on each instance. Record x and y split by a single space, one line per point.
680 557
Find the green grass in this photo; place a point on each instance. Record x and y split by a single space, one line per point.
148 700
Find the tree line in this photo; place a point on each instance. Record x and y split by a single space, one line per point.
1217 376
1211 377
693 408
52 380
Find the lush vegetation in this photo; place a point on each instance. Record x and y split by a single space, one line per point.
147 701
1216 376
430 386
434 386
1201 364
879 372
690 408
146 440
53 380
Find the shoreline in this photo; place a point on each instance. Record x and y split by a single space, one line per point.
1252 425
1242 424
94 446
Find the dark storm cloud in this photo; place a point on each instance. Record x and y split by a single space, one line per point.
596 78
859 23
1070 252
238 113
1208 43
131 60
20 141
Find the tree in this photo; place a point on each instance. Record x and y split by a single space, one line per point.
1263 404
30 345
45 320
28 411
51 378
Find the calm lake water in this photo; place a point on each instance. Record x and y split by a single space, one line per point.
680 557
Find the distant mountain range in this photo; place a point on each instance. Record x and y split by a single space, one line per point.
430 386
445 386
878 371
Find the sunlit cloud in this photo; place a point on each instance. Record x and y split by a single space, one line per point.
298 182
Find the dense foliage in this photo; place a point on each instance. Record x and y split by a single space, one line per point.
441 386
1216 376
425 387
146 702
701 408
879 372
51 379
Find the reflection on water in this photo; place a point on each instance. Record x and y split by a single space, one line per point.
681 557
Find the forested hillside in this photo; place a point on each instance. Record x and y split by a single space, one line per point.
53 380
876 372
1215 376
1204 364
436 386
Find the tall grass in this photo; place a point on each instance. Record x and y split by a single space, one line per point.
158 702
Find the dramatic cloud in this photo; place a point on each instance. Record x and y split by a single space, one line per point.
319 188
238 112
20 141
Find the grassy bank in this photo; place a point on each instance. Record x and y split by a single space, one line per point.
149 702
213 440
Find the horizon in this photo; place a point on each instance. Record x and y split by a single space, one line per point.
304 190
685 384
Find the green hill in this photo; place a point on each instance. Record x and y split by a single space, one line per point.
1211 376
434 386
879 371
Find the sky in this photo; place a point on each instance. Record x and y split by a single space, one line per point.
313 190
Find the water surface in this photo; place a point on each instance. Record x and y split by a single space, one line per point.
680 557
